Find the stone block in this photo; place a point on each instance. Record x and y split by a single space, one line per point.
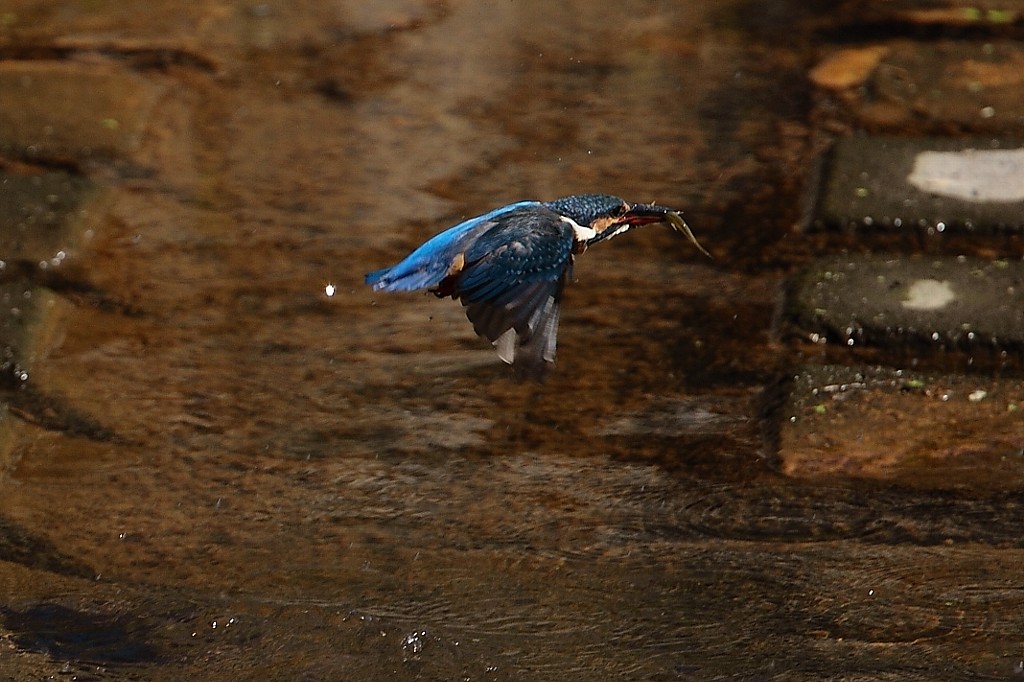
68 111
918 86
910 183
37 213
921 429
946 303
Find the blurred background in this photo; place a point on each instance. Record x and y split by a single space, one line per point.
221 455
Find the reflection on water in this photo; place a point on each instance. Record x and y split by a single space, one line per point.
289 476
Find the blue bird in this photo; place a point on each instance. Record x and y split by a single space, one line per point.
509 267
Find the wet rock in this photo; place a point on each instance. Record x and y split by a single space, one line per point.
900 17
28 328
39 214
71 112
972 86
848 68
45 219
927 430
957 16
929 183
25 329
963 303
975 85
915 17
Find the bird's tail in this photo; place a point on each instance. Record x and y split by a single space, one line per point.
522 325
407 276
536 351
375 278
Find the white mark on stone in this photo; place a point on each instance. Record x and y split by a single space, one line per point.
981 176
928 294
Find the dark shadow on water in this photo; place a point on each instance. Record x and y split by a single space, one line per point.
21 547
67 634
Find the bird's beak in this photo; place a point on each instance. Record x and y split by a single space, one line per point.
646 214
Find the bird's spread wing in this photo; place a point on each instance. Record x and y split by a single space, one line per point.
511 283
434 259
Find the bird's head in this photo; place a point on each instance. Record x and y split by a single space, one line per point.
591 210
609 216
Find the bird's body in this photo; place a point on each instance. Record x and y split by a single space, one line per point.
509 267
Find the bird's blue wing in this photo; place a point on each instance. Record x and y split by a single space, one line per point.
525 246
432 261
511 284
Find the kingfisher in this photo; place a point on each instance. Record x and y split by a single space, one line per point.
509 267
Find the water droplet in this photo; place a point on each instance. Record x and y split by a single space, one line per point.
414 641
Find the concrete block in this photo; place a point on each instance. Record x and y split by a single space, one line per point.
910 183
962 303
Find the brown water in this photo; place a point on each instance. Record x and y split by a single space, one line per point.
220 470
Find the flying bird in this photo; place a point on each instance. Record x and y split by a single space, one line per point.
509 267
